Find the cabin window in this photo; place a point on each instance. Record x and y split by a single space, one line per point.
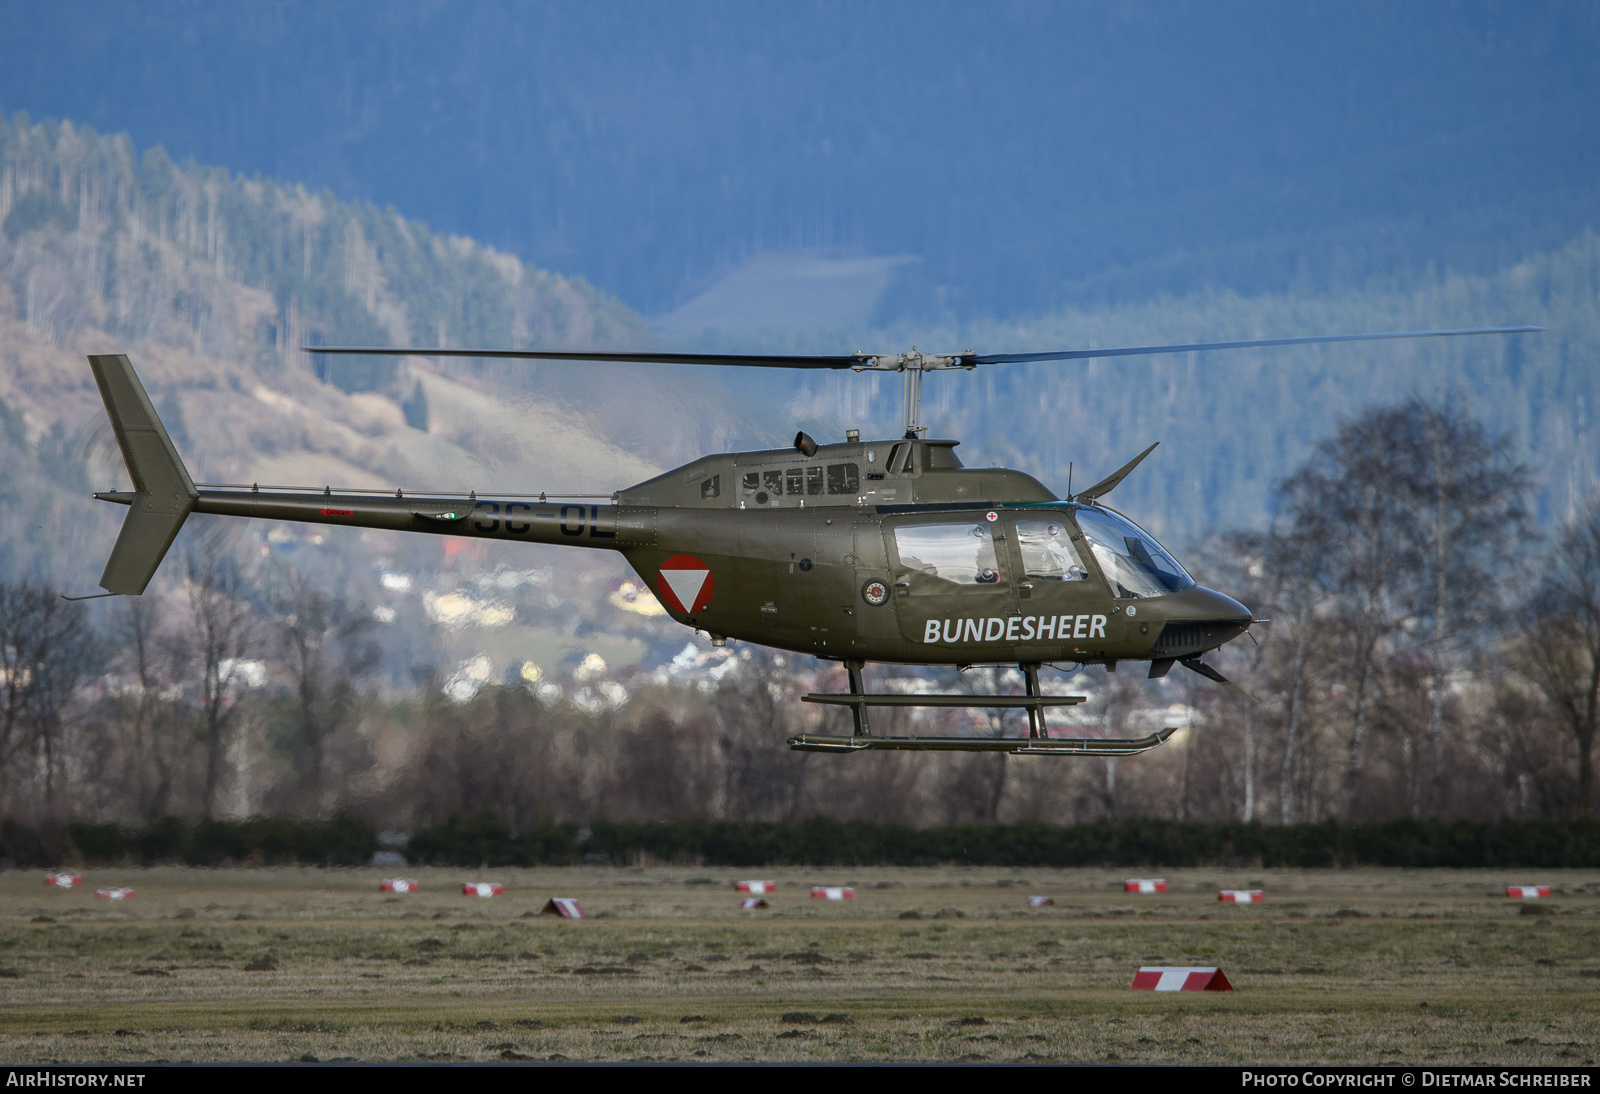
1047 551
1134 563
794 482
712 487
844 478
751 480
962 553
772 483
813 480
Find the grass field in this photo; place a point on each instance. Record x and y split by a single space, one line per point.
1366 966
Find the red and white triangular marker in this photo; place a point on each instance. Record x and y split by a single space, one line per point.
63 880
398 885
686 585
1190 978
563 906
1527 892
752 903
756 887
481 888
1145 885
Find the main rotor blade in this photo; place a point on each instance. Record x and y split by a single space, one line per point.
865 360
841 360
1137 351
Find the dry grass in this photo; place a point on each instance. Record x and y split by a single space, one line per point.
1364 966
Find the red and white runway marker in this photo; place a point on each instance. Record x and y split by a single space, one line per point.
481 888
1180 978
1040 902
756 887
565 907
399 885
63 880
831 892
752 903
1527 892
1241 896
1145 885
119 893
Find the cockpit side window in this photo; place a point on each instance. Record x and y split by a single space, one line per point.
712 487
1133 562
1047 551
962 553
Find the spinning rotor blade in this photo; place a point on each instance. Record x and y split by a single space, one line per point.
1137 351
843 360
913 361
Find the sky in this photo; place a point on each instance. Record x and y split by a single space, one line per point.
828 165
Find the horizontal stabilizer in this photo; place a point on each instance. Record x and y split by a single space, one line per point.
164 494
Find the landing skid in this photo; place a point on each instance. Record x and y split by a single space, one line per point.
1038 742
1017 746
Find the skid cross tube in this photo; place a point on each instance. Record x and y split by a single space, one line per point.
1008 702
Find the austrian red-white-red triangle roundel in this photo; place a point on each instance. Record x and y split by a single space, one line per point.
685 584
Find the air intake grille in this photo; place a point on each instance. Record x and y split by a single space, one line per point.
1184 639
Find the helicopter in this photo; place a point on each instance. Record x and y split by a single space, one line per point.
865 551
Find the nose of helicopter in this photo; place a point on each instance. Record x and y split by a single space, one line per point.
1202 604
1199 619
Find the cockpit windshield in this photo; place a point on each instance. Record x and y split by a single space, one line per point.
1134 563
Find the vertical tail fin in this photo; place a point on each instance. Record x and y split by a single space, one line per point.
164 495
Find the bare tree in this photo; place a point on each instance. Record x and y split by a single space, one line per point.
1464 494
1294 556
221 633
761 777
1559 647
325 645
46 647
154 736
1343 502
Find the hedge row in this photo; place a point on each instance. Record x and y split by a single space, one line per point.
347 840
484 838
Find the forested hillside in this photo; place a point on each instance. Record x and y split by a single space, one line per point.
1231 423
212 283
416 678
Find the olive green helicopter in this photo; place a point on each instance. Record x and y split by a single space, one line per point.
887 551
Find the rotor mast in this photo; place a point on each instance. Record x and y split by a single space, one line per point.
911 366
